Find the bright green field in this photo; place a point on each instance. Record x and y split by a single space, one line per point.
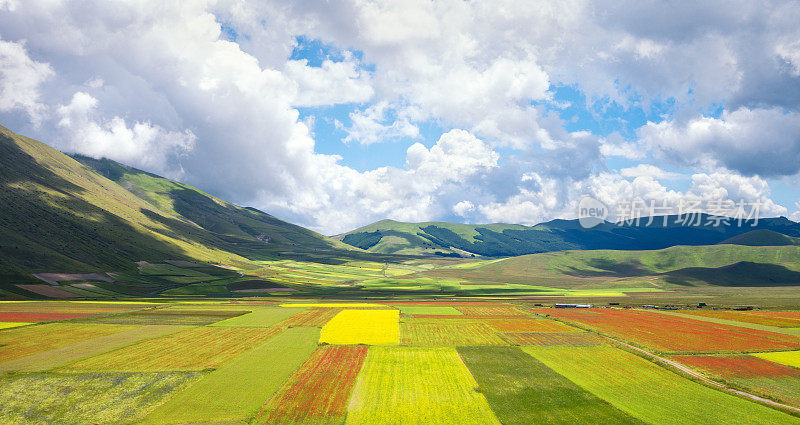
649 392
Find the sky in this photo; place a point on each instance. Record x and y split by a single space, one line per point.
335 114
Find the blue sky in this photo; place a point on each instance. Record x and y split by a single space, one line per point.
336 114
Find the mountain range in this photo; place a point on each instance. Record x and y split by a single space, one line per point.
503 240
79 215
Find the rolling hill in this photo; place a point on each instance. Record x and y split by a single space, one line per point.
762 237
62 216
498 240
714 265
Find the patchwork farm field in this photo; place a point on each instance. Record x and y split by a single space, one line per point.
285 361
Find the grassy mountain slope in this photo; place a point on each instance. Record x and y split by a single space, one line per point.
394 237
725 265
249 228
60 216
762 237
495 240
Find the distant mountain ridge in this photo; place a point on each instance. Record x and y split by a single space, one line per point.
500 240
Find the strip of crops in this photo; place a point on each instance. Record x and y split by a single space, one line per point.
650 392
434 310
39 316
411 385
530 325
490 310
167 317
7 325
318 393
260 318
313 317
447 334
789 358
192 349
471 317
669 333
767 318
27 340
372 327
522 391
56 357
572 339
236 391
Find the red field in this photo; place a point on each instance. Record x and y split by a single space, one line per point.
739 366
441 334
669 333
572 339
318 393
313 317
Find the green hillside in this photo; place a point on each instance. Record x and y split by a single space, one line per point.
394 237
501 240
60 216
762 238
249 228
725 265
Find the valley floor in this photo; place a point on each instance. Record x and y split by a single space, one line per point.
285 360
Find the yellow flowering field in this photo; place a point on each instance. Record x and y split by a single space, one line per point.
371 327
